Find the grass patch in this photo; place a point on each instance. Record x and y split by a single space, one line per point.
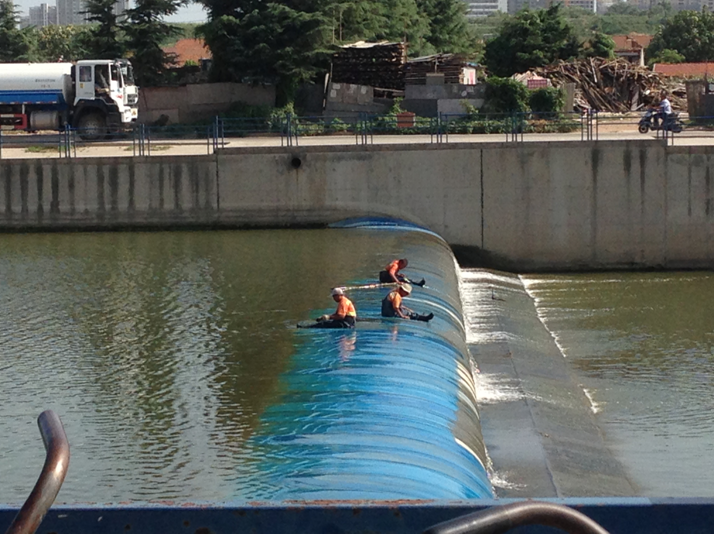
36 149
154 148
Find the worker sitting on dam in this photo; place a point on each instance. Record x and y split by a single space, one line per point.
344 317
391 274
392 305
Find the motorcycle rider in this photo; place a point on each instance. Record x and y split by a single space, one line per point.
664 111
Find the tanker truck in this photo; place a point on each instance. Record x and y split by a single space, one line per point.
96 96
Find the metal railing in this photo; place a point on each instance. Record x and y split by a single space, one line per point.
501 519
50 481
290 130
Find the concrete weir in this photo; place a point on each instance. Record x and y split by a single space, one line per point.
527 206
542 436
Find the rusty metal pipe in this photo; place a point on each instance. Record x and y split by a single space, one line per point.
50 481
503 518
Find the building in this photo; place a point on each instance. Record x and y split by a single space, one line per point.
684 70
483 8
70 12
42 15
193 51
632 47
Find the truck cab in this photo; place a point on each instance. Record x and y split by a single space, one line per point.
105 96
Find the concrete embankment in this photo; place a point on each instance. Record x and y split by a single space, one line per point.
541 435
532 206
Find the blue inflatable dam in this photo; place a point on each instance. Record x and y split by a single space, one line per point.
386 410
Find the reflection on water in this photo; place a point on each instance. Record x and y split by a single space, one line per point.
164 353
641 344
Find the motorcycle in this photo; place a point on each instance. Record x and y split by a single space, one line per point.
672 123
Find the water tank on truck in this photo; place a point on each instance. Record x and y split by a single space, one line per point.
96 96
35 96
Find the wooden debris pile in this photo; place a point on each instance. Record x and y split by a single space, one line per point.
450 65
375 64
606 85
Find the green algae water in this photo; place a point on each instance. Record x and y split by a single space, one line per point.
175 365
642 346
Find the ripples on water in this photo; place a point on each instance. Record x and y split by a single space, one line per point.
163 353
641 344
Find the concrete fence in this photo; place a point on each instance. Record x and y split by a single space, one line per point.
532 206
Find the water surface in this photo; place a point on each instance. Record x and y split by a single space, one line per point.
642 345
173 361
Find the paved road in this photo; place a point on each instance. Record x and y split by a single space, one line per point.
47 146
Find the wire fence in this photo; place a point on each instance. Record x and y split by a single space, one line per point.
357 129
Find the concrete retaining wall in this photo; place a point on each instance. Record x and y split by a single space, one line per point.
538 206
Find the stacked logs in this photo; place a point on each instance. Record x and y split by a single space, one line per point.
606 85
450 65
376 64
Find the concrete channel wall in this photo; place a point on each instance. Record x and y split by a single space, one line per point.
530 206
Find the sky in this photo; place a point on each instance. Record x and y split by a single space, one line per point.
190 13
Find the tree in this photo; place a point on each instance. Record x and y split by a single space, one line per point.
145 32
64 43
689 33
666 56
530 39
449 30
600 45
283 43
102 41
14 43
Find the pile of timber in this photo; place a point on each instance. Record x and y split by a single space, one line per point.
606 85
450 65
375 64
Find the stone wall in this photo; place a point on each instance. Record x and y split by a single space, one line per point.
195 102
529 206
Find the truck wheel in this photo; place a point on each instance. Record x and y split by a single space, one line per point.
92 126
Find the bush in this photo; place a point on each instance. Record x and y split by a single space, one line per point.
505 95
546 100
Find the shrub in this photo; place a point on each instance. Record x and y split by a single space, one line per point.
546 100
505 95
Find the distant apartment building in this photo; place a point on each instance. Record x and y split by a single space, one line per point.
483 8
587 5
71 12
42 15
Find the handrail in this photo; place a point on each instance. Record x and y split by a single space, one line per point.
50 481
503 518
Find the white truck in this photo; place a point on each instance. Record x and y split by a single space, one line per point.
95 96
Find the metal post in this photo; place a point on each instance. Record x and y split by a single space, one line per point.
0 144
50 481
500 519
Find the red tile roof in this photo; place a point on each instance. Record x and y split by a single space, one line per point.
631 41
189 49
684 70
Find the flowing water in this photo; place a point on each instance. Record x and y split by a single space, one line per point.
175 365
642 347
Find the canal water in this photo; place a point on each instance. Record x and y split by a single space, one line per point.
641 347
175 365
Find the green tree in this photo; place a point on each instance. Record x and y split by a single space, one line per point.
600 45
102 41
449 30
145 32
64 43
283 43
15 45
689 33
666 56
505 95
530 39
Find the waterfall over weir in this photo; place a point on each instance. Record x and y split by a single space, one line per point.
387 410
